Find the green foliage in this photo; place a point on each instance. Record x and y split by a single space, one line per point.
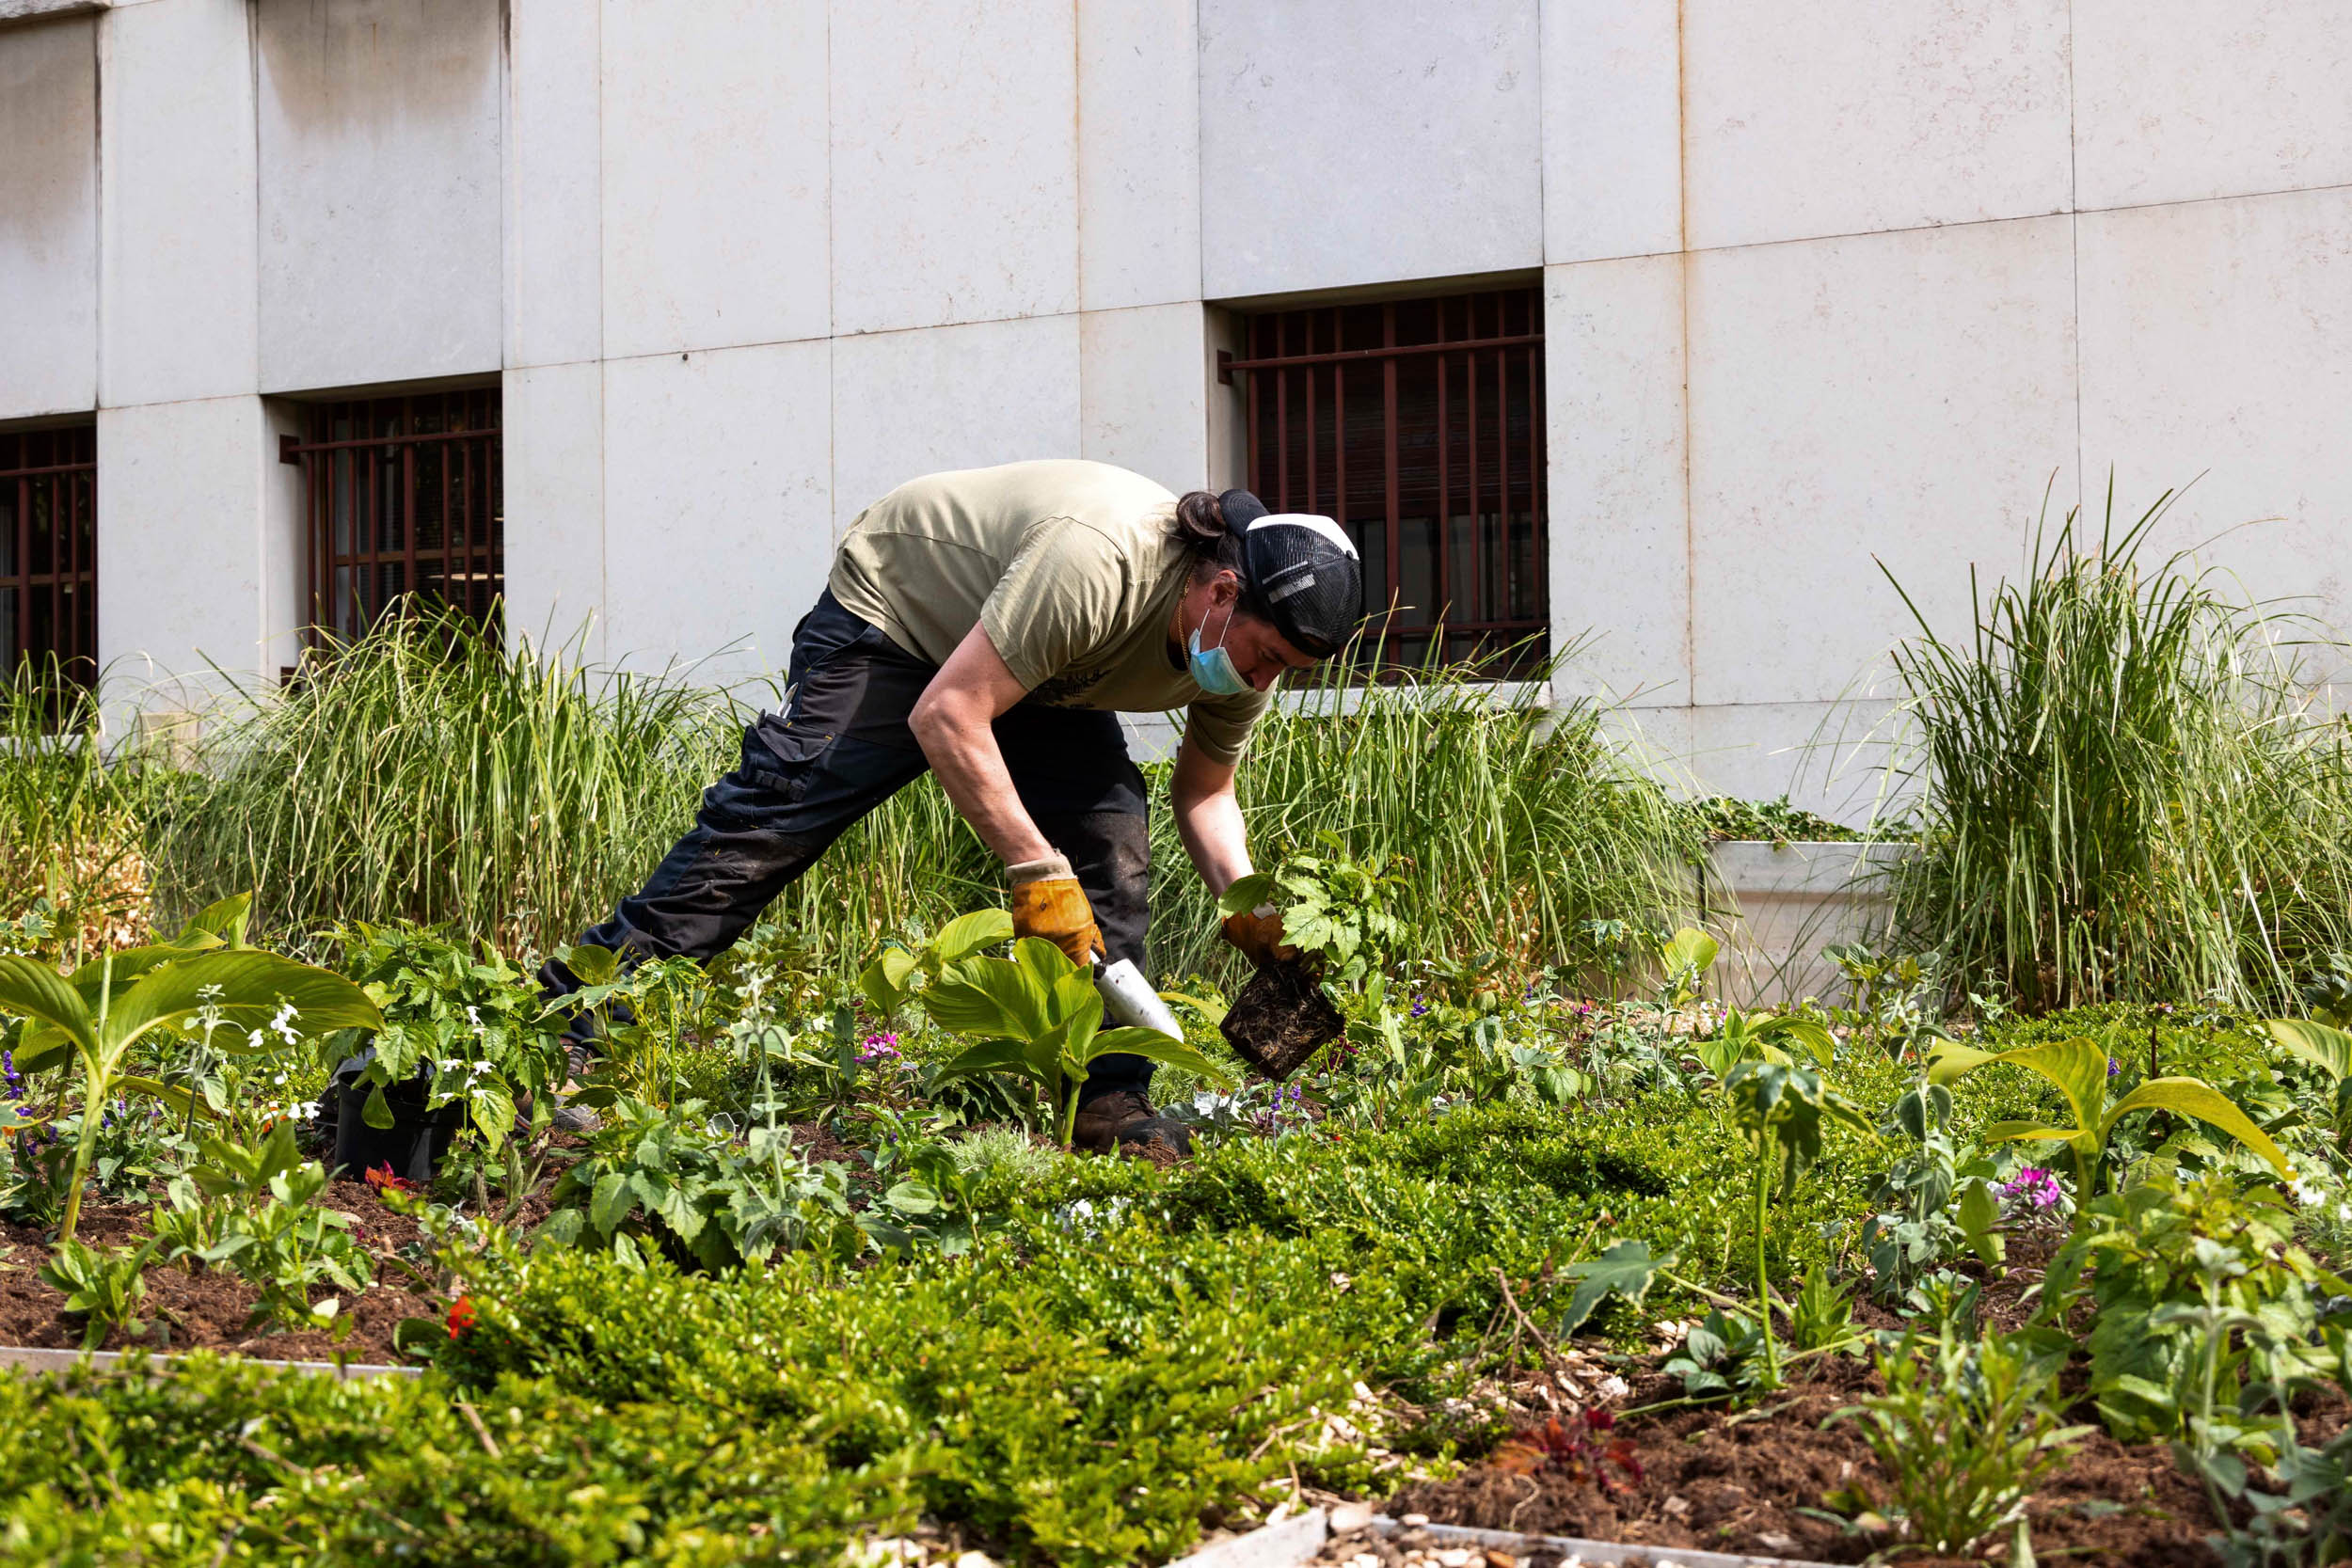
1783 1108
1728 816
472 1025
1038 1016
1964 1432
2079 1069
1339 909
99 1012
1724 1357
2126 790
2190 1285
678 1179
1898 998
899 973
1821 1315
2151 1039
2299 1514
105 1285
255 1211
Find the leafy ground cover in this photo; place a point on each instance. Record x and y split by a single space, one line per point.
2032 1238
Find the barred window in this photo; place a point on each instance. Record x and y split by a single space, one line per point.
1419 426
49 550
405 496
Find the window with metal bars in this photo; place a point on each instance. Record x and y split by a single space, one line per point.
1419 426
49 550
405 500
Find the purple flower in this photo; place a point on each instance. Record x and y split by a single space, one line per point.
2035 1186
1419 1006
2114 1066
880 1048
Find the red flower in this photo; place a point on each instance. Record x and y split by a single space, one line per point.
383 1180
461 1315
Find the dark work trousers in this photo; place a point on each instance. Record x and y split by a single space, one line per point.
839 749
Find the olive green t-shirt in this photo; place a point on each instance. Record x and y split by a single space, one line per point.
1069 568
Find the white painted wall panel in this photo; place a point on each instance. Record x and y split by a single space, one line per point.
48 218
718 535
554 420
1900 398
714 174
1619 554
2177 100
906 404
179 288
1612 128
381 217
2216 340
1844 117
554 183
954 163
191 474
1138 152
1343 146
1143 392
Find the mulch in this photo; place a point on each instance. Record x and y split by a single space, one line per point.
211 1308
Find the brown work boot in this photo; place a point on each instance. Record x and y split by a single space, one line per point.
1124 1122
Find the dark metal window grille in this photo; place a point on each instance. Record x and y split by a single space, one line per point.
405 496
1419 426
49 549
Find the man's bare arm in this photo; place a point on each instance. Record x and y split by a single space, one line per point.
951 721
1208 817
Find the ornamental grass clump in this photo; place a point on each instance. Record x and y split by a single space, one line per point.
2126 785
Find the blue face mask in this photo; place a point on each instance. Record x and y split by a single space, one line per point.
1213 668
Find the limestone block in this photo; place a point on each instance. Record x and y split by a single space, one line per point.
1900 398
714 175
1846 117
180 252
49 218
381 215
954 163
1343 146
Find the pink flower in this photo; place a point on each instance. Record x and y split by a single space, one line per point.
2035 1186
880 1048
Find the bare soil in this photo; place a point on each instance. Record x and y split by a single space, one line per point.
208 1308
1280 1019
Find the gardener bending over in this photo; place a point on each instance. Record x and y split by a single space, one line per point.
989 624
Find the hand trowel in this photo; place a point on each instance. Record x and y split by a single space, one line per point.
1129 999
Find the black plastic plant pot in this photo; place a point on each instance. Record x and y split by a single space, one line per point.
412 1146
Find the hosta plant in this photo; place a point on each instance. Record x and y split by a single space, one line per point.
257 1001
2082 1070
1038 1016
899 973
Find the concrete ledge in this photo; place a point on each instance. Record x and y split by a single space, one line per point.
27 1359
1779 904
1295 1541
26 10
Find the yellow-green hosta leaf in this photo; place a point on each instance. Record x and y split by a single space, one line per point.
884 981
1808 1032
2191 1097
2316 1043
1151 1044
2078 1067
990 997
250 988
2034 1131
1689 949
32 990
968 933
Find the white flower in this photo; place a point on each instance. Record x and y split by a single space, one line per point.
480 1068
475 1019
451 1065
278 1079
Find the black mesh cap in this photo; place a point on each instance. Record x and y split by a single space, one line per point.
1300 571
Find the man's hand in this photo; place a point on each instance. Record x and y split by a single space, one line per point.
1048 902
1258 934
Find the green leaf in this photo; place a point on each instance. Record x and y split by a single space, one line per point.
1248 892
1154 1046
177 1095
493 1111
254 986
1813 1036
32 990
2034 1131
609 1204
997 1055
224 922
377 1112
1689 951
590 965
883 982
2191 1097
2330 1049
995 997
968 933
1626 1268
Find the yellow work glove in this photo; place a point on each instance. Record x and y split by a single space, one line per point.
1048 902
1258 934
